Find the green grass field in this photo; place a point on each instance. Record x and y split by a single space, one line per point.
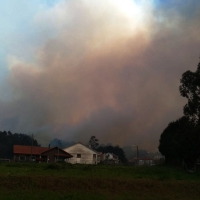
63 181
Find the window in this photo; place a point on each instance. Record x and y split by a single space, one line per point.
33 158
78 155
94 155
22 158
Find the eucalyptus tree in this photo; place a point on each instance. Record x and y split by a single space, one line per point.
190 88
93 142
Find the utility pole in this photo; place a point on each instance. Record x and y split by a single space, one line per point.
58 149
31 146
137 154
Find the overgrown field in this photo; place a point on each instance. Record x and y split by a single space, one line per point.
63 181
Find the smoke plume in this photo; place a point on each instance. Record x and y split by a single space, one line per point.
108 68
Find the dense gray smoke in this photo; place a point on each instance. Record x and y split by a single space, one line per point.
105 71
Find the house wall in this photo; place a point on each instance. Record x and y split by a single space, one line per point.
27 157
87 155
50 155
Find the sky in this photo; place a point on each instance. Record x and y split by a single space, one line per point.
70 69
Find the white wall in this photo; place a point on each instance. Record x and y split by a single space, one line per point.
86 154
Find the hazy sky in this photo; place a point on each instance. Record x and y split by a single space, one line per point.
110 68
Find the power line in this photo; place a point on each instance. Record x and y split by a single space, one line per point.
43 138
35 136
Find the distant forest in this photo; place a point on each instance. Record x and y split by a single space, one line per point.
8 139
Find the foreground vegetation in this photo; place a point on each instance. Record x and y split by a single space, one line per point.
62 181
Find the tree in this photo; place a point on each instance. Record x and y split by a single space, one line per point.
7 140
190 88
180 142
175 141
93 142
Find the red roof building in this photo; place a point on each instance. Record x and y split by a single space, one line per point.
28 150
40 154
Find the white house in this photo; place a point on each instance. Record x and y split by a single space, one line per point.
109 158
82 154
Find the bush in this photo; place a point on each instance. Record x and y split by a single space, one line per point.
54 166
59 165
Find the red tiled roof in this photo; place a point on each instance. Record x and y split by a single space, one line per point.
19 149
64 155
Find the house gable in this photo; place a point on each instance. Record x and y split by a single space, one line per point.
80 148
82 154
57 152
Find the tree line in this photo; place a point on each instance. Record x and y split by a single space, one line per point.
94 143
8 139
180 140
